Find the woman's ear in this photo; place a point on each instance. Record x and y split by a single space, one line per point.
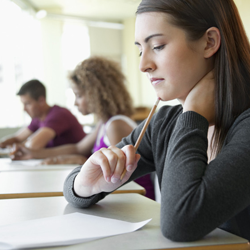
213 41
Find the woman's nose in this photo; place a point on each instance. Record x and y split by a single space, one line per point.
146 64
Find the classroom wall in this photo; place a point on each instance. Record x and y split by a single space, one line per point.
130 61
106 42
54 76
244 10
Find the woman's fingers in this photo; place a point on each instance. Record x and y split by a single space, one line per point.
113 161
101 159
130 153
103 169
120 164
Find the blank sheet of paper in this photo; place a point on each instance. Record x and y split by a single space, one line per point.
29 163
62 230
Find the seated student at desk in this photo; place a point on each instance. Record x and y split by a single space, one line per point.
99 88
196 51
50 126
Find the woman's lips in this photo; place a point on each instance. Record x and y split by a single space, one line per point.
156 81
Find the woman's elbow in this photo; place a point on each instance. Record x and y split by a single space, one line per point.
180 231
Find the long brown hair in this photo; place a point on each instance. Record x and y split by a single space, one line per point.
232 60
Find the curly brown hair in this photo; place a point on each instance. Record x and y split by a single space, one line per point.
104 87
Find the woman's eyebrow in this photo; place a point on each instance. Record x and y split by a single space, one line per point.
148 38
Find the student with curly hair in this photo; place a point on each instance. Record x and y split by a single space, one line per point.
196 51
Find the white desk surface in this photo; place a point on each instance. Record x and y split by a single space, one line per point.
127 207
45 183
7 165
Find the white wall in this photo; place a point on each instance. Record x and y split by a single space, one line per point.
54 76
106 42
131 61
244 10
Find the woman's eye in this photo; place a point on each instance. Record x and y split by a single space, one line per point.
140 53
159 47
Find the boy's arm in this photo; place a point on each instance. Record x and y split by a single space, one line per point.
40 138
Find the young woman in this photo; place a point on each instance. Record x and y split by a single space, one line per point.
198 52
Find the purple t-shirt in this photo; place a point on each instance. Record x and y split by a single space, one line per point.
66 126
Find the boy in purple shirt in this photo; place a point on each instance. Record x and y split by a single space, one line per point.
50 126
66 127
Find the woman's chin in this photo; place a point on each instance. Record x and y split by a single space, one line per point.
166 98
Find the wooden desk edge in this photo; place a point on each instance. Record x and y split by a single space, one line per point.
30 195
241 246
142 192
51 194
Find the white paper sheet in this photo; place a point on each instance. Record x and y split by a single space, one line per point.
29 163
62 230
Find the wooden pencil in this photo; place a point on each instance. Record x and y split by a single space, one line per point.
143 131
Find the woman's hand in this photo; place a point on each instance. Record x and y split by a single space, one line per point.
65 159
20 152
201 98
103 170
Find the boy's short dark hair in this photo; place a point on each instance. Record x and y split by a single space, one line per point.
34 88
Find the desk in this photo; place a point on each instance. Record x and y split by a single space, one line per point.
127 207
6 165
46 183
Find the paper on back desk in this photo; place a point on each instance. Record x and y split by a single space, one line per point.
29 163
62 230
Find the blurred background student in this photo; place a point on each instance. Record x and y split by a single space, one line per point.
50 126
98 85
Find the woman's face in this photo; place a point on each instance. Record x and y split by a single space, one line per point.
172 63
80 100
